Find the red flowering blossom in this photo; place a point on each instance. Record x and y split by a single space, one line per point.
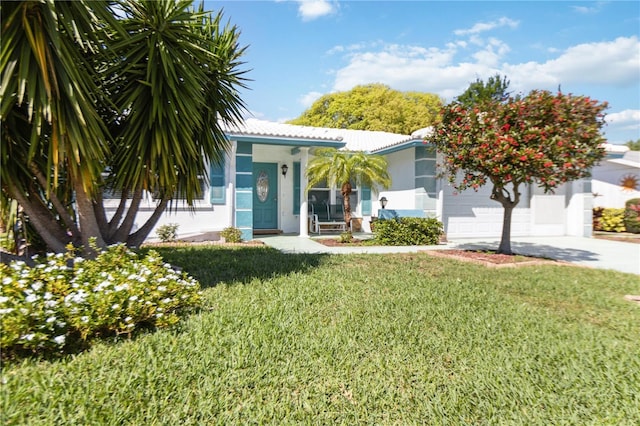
541 139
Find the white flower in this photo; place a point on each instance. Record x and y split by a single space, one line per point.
36 286
59 340
6 311
51 319
31 298
127 319
47 296
7 280
4 299
28 337
166 300
84 319
162 288
133 298
50 304
115 306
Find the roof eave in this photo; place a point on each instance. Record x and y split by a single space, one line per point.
399 147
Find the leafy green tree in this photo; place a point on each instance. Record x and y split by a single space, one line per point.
373 107
633 145
479 92
345 169
123 96
541 139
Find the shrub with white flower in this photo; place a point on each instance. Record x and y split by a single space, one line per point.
53 307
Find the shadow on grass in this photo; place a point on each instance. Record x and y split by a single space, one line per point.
211 265
537 250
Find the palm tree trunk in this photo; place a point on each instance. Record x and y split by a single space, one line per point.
123 231
117 216
57 204
138 237
40 217
346 202
86 216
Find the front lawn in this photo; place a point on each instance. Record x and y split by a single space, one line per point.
358 339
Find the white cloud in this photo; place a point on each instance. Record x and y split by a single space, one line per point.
487 26
439 70
605 63
586 10
308 99
313 9
629 119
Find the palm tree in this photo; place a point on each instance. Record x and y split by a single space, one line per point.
136 91
345 169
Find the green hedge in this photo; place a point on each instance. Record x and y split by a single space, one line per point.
408 231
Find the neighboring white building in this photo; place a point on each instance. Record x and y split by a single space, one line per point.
253 193
617 178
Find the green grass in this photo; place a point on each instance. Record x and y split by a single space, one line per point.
358 339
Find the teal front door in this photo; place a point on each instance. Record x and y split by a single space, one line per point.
265 196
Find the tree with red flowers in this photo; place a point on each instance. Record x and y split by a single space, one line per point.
541 138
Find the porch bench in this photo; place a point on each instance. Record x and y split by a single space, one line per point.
397 214
326 217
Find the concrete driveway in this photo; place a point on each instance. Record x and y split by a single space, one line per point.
590 252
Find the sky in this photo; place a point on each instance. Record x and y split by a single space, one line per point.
298 51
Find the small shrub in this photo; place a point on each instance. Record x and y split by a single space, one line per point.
632 215
53 307
231 235
408 231
346 237
612 220
167 233
597 217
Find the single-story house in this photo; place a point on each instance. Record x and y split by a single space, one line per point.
261 188
617 178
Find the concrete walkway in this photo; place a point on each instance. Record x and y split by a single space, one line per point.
590 252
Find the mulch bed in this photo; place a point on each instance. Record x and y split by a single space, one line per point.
335 242
492 259
625 237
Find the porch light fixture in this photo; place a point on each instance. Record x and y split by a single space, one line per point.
284 169
383 202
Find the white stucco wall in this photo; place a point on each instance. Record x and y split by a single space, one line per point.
605 184
402 170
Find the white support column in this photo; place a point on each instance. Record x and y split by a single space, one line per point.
304 208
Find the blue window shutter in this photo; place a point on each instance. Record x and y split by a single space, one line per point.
365 200
217 183
296 187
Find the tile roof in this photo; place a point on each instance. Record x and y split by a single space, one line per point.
255 127
355 140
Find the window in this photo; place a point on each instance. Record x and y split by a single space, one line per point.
217 183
